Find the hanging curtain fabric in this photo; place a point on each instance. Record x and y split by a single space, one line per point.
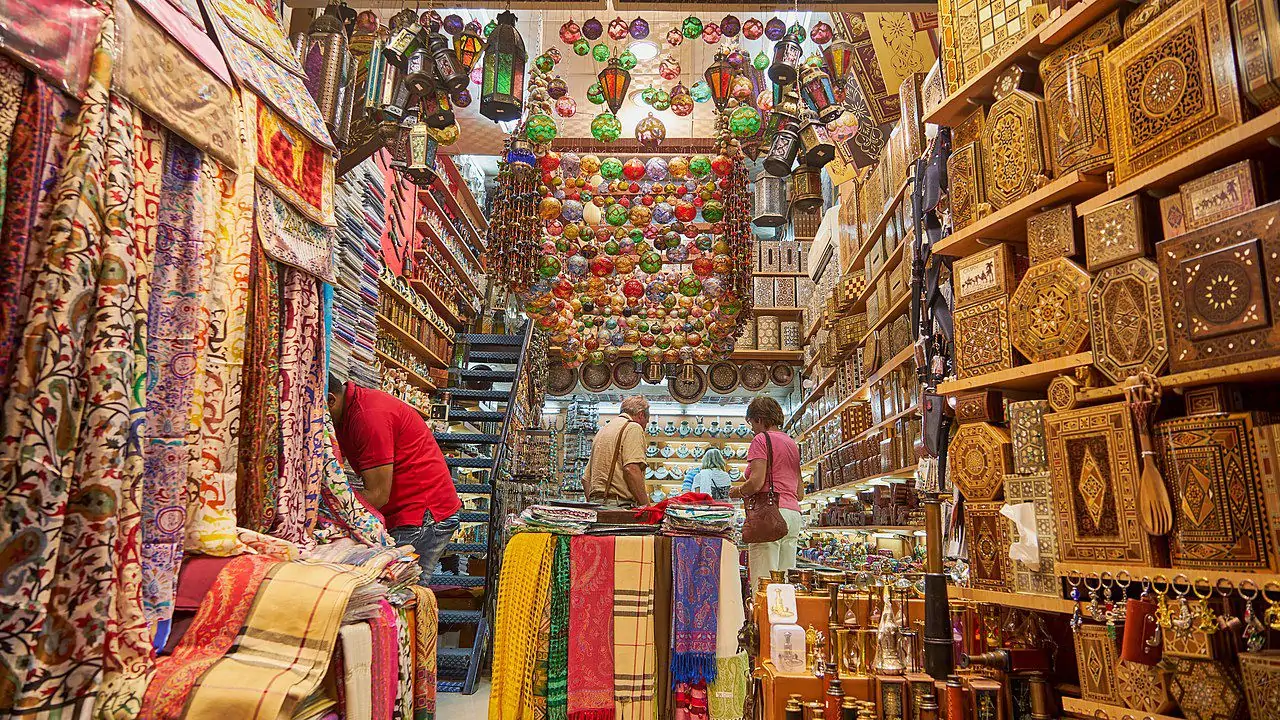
302 410
258 467
13 83
425 639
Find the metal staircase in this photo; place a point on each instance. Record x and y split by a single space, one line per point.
474 447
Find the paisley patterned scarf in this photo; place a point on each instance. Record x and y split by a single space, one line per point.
558 651
590 628
424 678
695 564
259 468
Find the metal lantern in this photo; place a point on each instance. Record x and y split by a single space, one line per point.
502 87
839 59
785 143
653 372
815 86
770 194
376 75
448 69
404 42
806 189
324 55
468 45
786 58
520 157
719 78
614 82
418 75
421 161
437 109
399 102
815 143
783 114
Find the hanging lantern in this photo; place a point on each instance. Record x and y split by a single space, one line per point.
770 194
838 57
520 157
437 109
782 116
417 72
370 107
421 159
783 151
815 143
325 58
806 189
502 88
815 87
786 58
614 81
404 41
719 80
445 63
468 46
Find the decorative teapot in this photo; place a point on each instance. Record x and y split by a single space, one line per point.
670 428
685 430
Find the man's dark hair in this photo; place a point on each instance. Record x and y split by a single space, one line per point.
336 385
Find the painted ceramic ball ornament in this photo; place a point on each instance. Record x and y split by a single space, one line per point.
700 166
775 29
661 100
581 47
544 62
600 52
681 101
541 129
674 37
690 285
589 165
741 89
566 107
639 28
760 61
453 24
797 31
744 122
572 211
595 94
711 33
557 88
700 91
633 169
722 166
570 33
548 208
618 28
651 262
611 168
650 132
669 67
606 127
821 33
730 26
691 27
656 169
752 29
549 266
678 167
627 60
712 211
592 29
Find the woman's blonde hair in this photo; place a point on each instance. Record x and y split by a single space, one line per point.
714 460
766 410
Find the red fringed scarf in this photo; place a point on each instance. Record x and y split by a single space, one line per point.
591 628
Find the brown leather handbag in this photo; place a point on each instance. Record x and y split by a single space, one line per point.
764 521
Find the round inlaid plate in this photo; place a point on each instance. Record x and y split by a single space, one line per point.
625 375
755 375
596 377
1049 312
561 379
723 377
781 374
690 391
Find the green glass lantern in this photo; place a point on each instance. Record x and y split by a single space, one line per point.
502 87
544 62
700 166
760 61
661 100
606 128
713 211
541 129
611 168
615 214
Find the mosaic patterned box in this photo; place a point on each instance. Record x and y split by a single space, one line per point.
1206 689
1075 98
892 698
978 458
1256 30
1219 195
1015 162
1096 654
970 128
1171 86
1026 430
1219 520
1267 445
986 533
1038 490
980 406
1173 219
1095 469
1126 320
1052 234
983 276
763 291
982 338
1049 312
1261 673
965 185
1221 286
1143 687
1114 233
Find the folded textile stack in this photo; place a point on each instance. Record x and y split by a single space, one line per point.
621 530
359 203
708 520
555 519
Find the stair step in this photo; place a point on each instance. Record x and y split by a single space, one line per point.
495 375
475 416
491 339
449 686
457 581
476 462
465 394
460 617
466 548
473 516
494 357
453 661
468 438
479 488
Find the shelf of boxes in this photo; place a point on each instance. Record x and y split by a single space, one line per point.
1026 601
1102 711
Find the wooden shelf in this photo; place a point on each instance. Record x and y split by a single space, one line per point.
877 229
863 392
1237 144
757 273
790 356
419 381
779 310
411 343
812 365
813 329
854 484
1251 370
1102 711
1138 572
673 460
440 306
429 201
981 87
887 422
384 285
1070 23
1010 222
822 385
1025 601
888 315
715 442
431 235
1035 376
867 528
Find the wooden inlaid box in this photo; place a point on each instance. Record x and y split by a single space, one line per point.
978 458
1143 687
1049 312
1256 30
1221 287
1026 430
980 406
982 338
1219 195
1126 320
1052 234
1171 86
1095 469
984 276
1211 466
986 532
1206 689
1015 163
970 128
1114 233
1267 445
1075 98
1038 490
1173 219
965 185
1096 655
892 697
1261 674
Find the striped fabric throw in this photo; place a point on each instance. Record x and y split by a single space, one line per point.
558 652
633 648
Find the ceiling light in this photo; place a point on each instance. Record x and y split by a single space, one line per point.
643 50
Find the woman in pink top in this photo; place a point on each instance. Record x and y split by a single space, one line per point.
765 416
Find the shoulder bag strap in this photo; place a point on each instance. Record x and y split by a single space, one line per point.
768 463
617 452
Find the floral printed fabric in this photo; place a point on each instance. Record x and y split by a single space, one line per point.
340 507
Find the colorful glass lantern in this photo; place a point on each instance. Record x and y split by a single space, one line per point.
606 127
783 115
614 82
681 100
420 165
570 32
815 143
404 41
468 45
446 64
437 109
838 57
325 60
815 87
520 157
719 80
502 88
786 58
782 151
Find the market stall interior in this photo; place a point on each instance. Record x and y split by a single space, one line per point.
597 361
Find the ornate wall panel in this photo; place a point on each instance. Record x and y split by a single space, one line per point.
1171 86
1114 233
1013 146
1219 195
1096 656
986 532
1049 312
978 458
965 185
1052 234
1218 514
1094 465
1221 289
1126 320
982 338
1026 429
1038 490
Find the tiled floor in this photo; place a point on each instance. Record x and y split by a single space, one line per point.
455 706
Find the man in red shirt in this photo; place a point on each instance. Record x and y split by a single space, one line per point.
405 474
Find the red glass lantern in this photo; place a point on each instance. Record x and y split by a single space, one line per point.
468 45
720 80
614 82
815 87
838 57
